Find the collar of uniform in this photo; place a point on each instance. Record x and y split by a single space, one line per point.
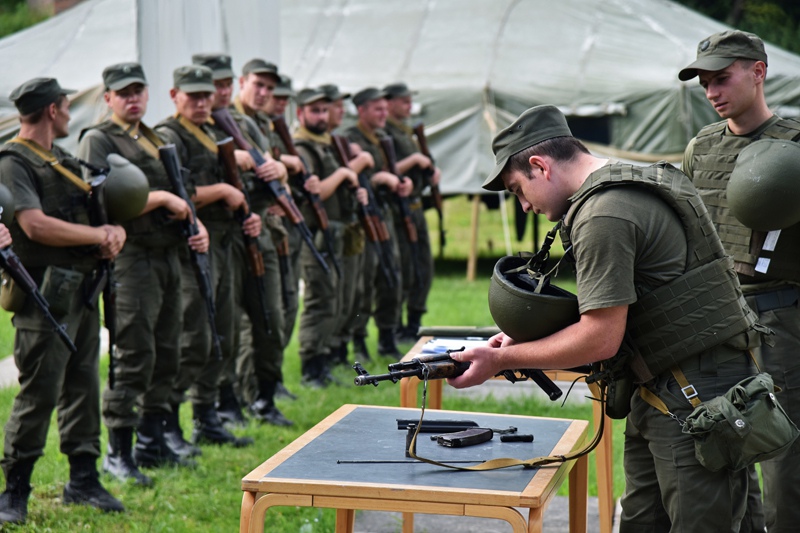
130 129
303 134
370 135
756 132
402 126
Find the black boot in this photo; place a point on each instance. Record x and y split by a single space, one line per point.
119 460
151 450
316 373
264 409
208 429
360 348
84 488
228 408
173 436
339 354
14 501
387 345
408 333
282 392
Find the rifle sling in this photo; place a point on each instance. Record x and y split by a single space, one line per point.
144 136
50 159
198 134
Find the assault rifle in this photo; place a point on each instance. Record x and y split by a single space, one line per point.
200 264
387 144
370 216
442 366
10 262
225 122
253 251
427 174
282 130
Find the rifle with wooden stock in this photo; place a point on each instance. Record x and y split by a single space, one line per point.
387 145
202 268
225 122
282 130
255 259
427 175
370 216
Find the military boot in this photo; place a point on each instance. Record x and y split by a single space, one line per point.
84 488
14 501
339 354
360 348
173 436
316 373
264 409
151 450
408 333
208 429
228 408
387 345
282 392
119 460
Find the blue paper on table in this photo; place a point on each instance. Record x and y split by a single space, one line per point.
440 345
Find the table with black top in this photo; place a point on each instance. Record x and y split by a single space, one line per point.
309 472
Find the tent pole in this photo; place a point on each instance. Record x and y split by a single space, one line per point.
472 260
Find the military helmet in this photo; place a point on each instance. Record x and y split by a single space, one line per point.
522 310
6 204
125 191
764 185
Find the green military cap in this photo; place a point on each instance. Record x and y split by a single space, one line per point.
332 92
121 75
194 79
284 86
720 50
37 93
309 96
259 66
220 64
537 124
368 95
398 90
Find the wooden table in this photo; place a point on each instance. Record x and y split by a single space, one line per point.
603 453
307 473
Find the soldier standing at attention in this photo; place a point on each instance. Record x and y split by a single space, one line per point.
53 238
372 112
732 67
633 230
323 298
148 304
194 138
412 163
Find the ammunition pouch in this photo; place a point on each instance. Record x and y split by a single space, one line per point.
12 297
59 287
618 378
354 240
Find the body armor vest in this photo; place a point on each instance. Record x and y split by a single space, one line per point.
260 199
59 199
154 229
204 168
700 309
404 146
355 135
713 159
340 205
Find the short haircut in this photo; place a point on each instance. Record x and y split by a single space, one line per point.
562 149
38 115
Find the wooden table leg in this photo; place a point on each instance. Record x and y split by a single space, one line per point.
578 494
345 520
248 500
535 520
262 505
408 522
603 463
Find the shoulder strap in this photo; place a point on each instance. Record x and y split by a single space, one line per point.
198 134
49 158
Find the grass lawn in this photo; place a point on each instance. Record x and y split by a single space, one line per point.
208 498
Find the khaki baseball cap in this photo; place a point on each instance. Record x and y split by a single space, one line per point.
398 90
720 50
220 64
283 87
119 76
309 96
194 79
368 95
37 93
535 125
332 92
259 66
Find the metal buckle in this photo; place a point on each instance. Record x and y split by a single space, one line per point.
689 392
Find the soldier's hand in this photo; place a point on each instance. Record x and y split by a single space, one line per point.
387 179
233 197
312 184
293 163
351 177
361 162
244 160
405 188
252 225
5 236
269 170
199 243
481 366
362 196
178 208
114 241
437 176
422 161
501 340
276 210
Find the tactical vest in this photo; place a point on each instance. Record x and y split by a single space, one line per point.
355 135
260 198
60 199
405 145
702 308
153 229
340 205
204 168
713 160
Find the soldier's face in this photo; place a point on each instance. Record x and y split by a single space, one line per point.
196 107
315 117
400 107
277 105
128 103
61 118
255 90
373 114
733 90
538 192
222 98
335 114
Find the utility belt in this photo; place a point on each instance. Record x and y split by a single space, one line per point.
58 285
774 299
415 204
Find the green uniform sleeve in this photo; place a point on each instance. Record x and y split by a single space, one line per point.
16 176
94 148
688 154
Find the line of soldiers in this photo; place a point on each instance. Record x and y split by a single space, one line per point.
228 238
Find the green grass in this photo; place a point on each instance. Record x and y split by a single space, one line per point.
208 498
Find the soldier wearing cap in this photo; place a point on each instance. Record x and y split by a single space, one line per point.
195 140
54 239
256 369
633 230
412 163
366 133
148 304
732 68
323 299
336 108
